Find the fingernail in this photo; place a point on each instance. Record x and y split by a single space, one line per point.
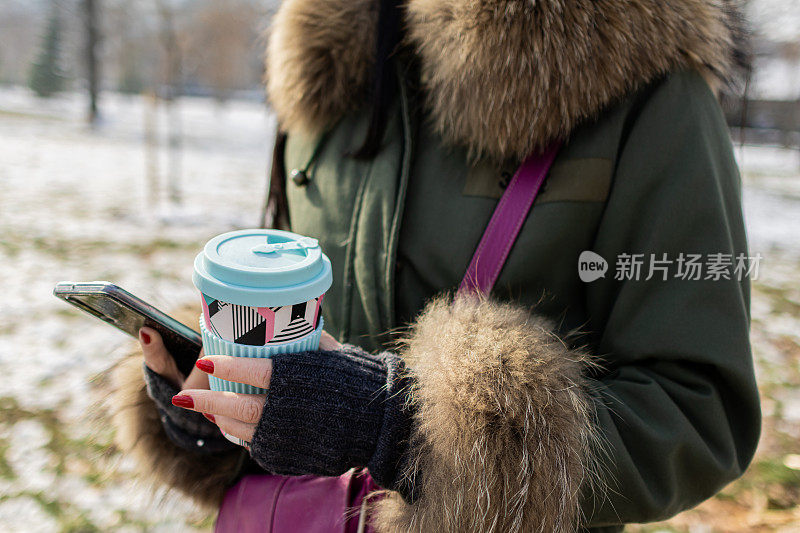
205 365
210 417
145 337
180 400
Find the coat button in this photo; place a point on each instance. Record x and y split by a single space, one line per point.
299 177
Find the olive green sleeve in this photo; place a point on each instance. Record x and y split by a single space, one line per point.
677 403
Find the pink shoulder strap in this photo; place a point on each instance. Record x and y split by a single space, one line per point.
506 222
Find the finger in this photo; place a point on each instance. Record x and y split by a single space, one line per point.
197 379
244 407
248 370
157 358
327 342
236 428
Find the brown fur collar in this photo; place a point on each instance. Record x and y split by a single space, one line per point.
502 77
505 440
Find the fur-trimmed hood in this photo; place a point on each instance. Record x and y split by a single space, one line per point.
501 77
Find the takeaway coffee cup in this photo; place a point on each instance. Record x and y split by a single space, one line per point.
261 292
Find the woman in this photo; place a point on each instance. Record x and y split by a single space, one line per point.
557 403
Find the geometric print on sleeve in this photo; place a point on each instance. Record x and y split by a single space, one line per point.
259 326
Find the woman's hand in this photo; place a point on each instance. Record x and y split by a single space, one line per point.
158 359
236 414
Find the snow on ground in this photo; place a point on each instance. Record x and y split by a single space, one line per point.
74 206
771 199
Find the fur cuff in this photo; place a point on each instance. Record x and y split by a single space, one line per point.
140 434
504 434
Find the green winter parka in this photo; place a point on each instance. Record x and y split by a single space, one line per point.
558 401
646 178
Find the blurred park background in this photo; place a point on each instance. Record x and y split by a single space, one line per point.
132 131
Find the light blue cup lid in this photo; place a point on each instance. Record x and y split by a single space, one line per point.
262 268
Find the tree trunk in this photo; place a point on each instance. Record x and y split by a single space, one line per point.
172 80
90 9
151 149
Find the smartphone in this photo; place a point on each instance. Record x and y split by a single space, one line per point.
121 309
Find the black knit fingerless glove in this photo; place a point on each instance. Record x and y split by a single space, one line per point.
329 411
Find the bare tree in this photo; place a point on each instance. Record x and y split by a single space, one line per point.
172 73
151 148
91 24
223 35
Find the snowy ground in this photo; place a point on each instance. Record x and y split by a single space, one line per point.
74 206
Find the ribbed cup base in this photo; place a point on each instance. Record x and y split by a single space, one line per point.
213 345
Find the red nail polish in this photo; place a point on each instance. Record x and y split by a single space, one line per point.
205 365
180 400
145 337
210 417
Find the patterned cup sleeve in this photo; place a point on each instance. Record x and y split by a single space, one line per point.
261 326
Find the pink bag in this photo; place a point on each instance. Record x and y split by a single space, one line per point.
313 504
